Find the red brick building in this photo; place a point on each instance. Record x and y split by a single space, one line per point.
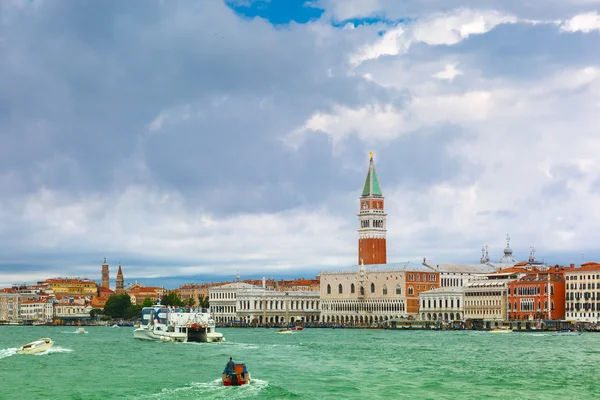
538 295
372 221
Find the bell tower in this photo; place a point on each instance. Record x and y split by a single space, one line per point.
120 288
105 275
372 225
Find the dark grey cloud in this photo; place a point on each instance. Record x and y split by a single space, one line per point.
86 80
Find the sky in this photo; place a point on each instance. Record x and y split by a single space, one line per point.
194 140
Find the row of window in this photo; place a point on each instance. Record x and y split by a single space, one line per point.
384 290
531 290
377 223
582 277
280 305
362 307
424 277
586 296
483 294
582 286
440 303
223 295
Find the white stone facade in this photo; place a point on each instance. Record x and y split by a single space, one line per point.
582 295
223 301
442 304
258 305
486 300
373 296
37 310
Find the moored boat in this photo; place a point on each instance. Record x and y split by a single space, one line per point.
160 323
37 346
240 376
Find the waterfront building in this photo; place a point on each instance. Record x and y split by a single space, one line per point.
138 293
41 309
374 295
260 305
120 283
223 300
458 275
193 291
70 286
538 295
301 284
485 299
372 224
442 304
105 274
71 313
11 299
583 293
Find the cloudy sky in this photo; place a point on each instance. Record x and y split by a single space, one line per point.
191 140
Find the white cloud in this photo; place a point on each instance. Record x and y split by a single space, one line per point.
437 29
586 22
449 73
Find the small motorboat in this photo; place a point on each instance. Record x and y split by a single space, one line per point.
80 330
37 346
500 330
567 332
240 376
296 328
285 330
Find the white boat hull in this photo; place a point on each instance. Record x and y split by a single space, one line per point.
157 335
35 347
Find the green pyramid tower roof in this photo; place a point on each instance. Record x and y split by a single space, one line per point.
371 187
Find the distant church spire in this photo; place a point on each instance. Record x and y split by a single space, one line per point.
531 254
120 288
508 257
485 257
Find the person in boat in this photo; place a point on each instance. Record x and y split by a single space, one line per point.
230 367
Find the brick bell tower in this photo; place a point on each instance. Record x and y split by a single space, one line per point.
105 275
372 221
120 282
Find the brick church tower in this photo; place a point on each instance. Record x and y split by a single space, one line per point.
371 221
120 282
105 275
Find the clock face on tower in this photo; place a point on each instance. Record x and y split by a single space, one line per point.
365 205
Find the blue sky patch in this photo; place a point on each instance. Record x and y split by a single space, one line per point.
277 12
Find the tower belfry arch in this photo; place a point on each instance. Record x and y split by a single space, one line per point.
372 221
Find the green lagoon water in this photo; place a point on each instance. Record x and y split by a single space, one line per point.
108 363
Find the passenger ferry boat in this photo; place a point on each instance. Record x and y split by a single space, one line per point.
177 324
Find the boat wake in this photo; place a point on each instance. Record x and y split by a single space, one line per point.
8 352
54 350
211 390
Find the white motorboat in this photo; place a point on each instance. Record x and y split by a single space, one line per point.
285 330
80 330
500 330
37 346
168 324
567 332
